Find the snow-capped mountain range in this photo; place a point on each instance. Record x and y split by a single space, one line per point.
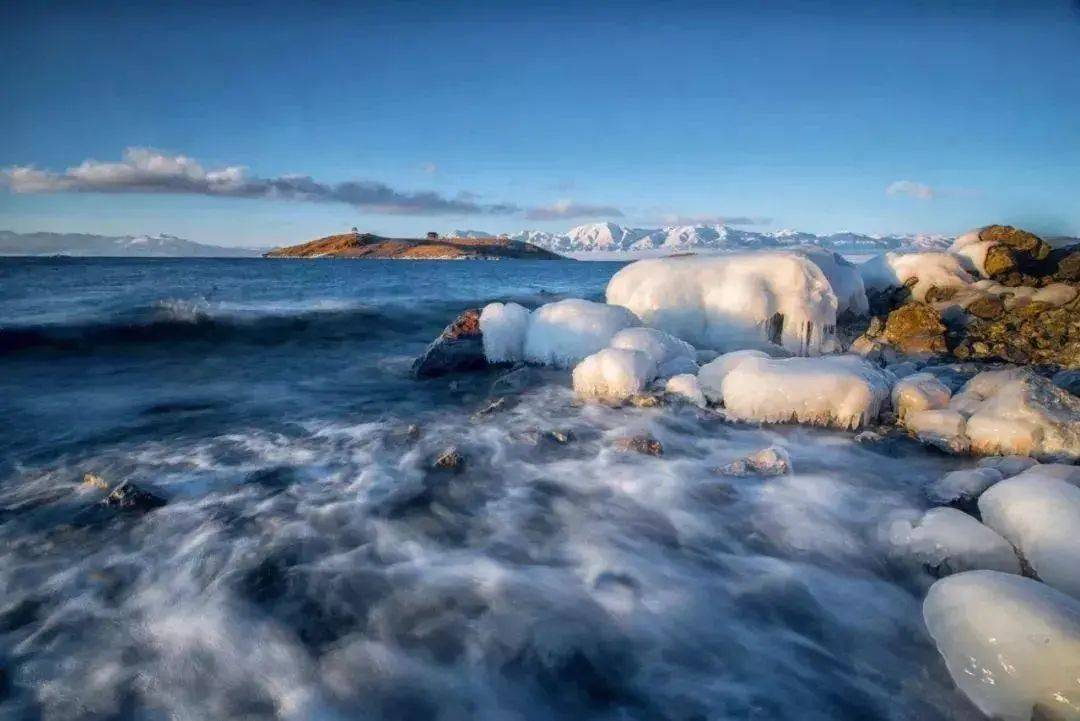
614 238
143 246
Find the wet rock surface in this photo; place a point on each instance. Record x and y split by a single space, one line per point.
644 444
458 348
130 497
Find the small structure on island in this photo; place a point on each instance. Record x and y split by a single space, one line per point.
432 235
355 230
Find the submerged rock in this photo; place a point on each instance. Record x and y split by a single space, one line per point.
644 444
130 497
93 480
459 347
449 460
771 461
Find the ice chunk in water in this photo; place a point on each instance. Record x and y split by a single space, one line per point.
613 374
1010 643
504 327
561 334
919 392
962 486
662 347
950 541
713 373
686 386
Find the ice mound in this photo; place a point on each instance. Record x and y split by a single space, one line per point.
843 276
1040 516
732 301
771 461
1010 643
712 374
843 391
504 327
972 251
1056 471
919 392
664 349
1007 412
686 385
613 374
951 541
928 270
962 487
561 334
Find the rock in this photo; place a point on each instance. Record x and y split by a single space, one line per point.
999 262
495 406
92 480
1066 262
987 307
130 497
771 461
558 436
458 348
919 392
643 400
1015 239
1033 333
449 460
643 444
916 328
1068 381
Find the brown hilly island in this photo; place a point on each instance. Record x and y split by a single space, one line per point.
373 247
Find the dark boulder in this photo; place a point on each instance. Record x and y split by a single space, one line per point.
458 348
130 497
644 444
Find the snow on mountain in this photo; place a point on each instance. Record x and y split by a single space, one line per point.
468 234
81 244
611 238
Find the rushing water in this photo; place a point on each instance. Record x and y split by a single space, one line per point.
310 565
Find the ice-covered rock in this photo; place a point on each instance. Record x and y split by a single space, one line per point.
613 374
942 428
961 488
919 392
1040 516
686 386
732 301
504 327
1056 471
713 373
1010 643
1015 412
561 334
922 270
771 461
842 391
1008 466
664 349
950 541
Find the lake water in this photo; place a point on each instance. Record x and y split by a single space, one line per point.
310 565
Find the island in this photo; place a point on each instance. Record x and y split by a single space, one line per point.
373 247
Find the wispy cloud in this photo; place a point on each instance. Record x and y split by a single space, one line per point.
143 170
567 209
910 189
429 168
712 220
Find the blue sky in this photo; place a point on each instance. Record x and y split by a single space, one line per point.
514 115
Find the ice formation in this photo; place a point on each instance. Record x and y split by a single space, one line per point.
613 374
843 276
504 327
771 461
964 486
843 391
732 301
561 334
1007 412
972 251
1056 471
919 392
664 349
1008 466
951 541
686 386
928 270
1040 516
713 373
1010 643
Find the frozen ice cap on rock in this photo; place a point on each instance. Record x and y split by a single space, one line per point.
713 373
504 327
928 270
1056 471
963 486
1008 466
842 391
613 374
951 541
1040 516
561 334
686 386
919 392
664 348
732 301
943 428
771 461
844 277
1010 643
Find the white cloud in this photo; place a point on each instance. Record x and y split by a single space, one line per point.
910 189
143 170
566 209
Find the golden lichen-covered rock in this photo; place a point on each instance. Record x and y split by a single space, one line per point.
1016 239
916 328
